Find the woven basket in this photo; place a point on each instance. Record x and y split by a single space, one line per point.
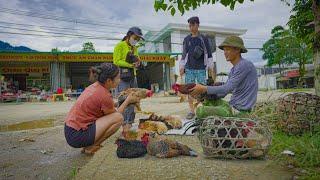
299 112
234 138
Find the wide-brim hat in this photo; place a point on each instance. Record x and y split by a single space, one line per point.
234 41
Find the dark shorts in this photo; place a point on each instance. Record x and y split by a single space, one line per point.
81 138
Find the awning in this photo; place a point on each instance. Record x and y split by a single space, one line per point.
283 79
293 73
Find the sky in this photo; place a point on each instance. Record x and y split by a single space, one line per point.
67 24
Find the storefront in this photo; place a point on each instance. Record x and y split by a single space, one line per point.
24 76
49 71
290 78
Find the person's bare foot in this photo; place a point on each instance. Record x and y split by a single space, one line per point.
182 99
126 128
90 150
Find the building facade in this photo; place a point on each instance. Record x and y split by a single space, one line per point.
50 71
170 40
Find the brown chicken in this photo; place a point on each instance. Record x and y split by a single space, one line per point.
135 134
138 92
172 121
162 147
154 126
186 89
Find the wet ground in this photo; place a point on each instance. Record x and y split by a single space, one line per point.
33 147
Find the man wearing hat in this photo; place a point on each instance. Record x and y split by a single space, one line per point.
196 59
242 81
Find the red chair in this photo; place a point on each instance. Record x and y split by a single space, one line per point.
59 91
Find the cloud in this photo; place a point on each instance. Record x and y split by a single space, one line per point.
115 17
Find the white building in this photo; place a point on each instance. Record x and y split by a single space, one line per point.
170 39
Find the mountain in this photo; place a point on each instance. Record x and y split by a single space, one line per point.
4 46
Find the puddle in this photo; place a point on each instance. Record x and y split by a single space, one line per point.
43 123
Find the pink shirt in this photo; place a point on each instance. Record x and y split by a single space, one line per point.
95 102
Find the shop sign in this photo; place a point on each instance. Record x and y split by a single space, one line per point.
85 57
27 57
75 57
24 70
155 58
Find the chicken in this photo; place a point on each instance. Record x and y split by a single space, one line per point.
162 147
171 121
130 148
256 140
256 143
175 90
174 121
154 126
135 134
185 89
131 58
138 92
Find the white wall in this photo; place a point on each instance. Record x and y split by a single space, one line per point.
267 82
222 64
176 47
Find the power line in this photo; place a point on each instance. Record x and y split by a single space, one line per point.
69 36
59 28
77 21
59 18
76 35
50 36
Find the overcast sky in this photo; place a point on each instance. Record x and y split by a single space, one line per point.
110 19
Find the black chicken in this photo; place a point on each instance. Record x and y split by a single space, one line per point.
130 148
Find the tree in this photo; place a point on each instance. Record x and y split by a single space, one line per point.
186 5
272 48
299 5
88 47
305 23
284 47
54 50
297 51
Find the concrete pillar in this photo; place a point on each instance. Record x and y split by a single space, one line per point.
176 47
57 75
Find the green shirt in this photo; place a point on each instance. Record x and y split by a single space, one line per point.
120 53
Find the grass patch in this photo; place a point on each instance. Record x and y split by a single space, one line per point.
296 90
306 149
265 90
74 172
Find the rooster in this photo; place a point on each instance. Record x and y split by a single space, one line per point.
162 147
186 89
175 89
